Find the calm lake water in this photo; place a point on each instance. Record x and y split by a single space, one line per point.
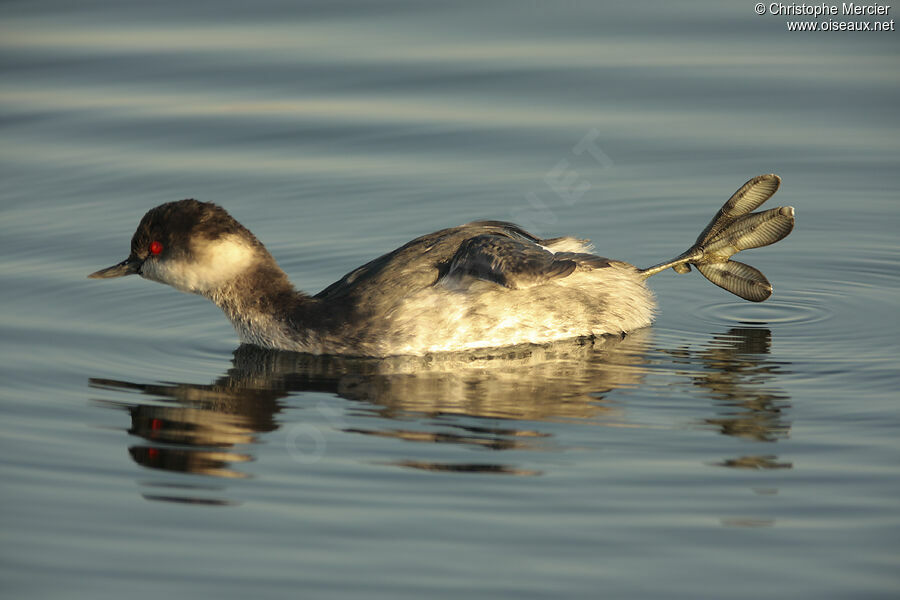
732 450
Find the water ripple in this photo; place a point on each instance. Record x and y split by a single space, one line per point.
800 309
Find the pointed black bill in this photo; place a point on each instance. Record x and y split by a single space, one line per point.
129 266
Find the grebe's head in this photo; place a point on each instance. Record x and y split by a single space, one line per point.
193 246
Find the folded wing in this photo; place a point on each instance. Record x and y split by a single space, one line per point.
509 262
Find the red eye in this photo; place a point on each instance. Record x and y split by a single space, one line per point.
155 247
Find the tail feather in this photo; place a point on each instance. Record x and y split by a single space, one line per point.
736 228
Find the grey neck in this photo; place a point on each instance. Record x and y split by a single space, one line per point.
264 307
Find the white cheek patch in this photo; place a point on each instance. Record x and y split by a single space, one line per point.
210 265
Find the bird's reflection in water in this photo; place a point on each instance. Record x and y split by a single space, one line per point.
494 400
195 429
732 370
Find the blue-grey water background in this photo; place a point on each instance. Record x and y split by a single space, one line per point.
732 450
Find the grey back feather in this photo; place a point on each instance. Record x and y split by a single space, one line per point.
507 261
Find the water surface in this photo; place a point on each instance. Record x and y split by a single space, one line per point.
733 450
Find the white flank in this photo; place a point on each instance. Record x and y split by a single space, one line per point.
570 244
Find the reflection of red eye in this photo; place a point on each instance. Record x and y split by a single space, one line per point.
155 247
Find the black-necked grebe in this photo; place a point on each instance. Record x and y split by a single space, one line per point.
481 285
